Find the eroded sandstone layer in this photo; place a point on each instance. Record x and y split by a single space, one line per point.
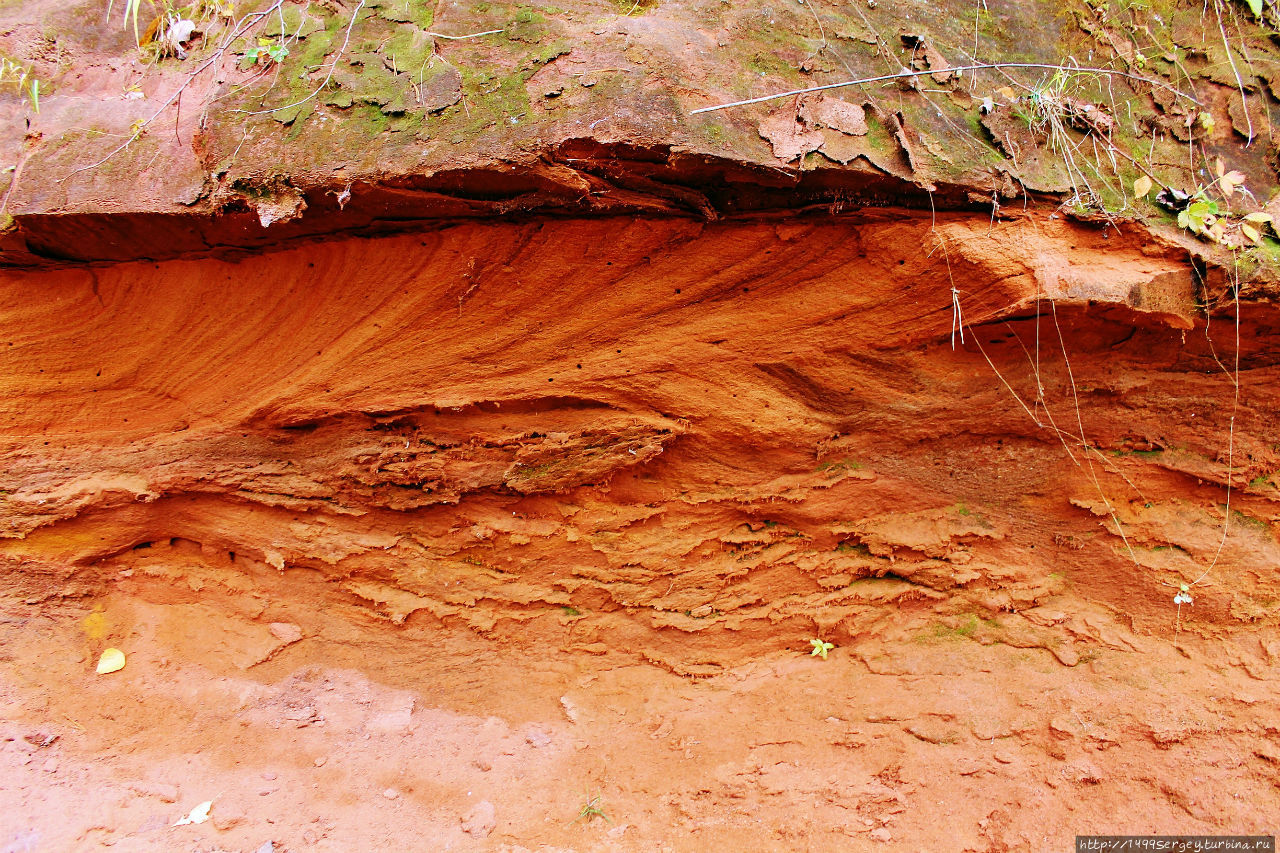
677 432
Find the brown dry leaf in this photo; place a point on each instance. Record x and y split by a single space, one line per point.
844 149
790 139
849 119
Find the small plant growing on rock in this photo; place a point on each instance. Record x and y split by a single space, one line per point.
13 74
1182 597
266 51
592 809
1203 215
820 648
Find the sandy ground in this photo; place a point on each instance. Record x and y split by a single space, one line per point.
351 734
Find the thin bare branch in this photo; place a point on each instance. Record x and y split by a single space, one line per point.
327 77
468 36
906 74
247 22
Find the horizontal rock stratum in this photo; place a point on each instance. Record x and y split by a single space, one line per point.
683 429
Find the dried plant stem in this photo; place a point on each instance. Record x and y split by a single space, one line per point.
907 74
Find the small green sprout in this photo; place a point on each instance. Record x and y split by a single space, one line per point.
266 51
592 809
820 648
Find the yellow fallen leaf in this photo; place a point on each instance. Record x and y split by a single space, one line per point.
112 660
1251 233
1258 217
1142 186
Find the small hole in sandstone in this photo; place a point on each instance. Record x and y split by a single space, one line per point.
902 263
677 290
551 380
579 366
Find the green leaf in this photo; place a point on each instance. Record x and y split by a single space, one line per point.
1255 6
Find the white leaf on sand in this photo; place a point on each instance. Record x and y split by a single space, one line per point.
198 815
112 660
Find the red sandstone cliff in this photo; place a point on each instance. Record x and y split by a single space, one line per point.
494 427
